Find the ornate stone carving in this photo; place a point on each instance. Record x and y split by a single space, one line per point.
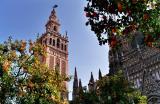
151 88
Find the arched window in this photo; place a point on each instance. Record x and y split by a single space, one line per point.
62 46
58 43
65 48
55 28
50 41
45 41
53 43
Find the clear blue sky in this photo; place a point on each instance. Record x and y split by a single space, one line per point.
24 19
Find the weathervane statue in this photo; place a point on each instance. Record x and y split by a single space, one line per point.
55 6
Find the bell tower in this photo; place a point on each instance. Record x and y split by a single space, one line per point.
56 45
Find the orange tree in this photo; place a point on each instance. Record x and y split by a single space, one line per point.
23 77
109 18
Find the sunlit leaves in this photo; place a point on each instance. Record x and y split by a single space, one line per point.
117 90
23 77
124 15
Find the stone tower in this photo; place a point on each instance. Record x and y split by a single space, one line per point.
57 45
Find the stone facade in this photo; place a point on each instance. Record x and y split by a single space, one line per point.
151 88
135 59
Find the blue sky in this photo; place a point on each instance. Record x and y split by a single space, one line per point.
24 19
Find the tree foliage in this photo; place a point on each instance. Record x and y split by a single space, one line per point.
113 89
117 90
111 18
23 77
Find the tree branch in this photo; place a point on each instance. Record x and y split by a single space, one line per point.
22 64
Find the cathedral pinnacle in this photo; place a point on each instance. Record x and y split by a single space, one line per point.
91 84
80 83
75 83
80 87
91 81
75 74
100 75
75 86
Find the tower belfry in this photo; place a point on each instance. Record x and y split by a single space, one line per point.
53 24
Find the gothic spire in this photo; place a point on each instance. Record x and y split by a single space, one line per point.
75 82
80 83
75 86
91 84
80 88
100 75
75 73
91 81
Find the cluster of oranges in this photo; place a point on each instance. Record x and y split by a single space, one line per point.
112 42
23 46
6 65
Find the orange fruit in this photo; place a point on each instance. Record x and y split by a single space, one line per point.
119 7
6 65
146 16
149 44
113 30
113 43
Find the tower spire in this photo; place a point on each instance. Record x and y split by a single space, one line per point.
75 86
80 89
75 82
75 73
91 79
80 84
53 22
100 75
91 84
